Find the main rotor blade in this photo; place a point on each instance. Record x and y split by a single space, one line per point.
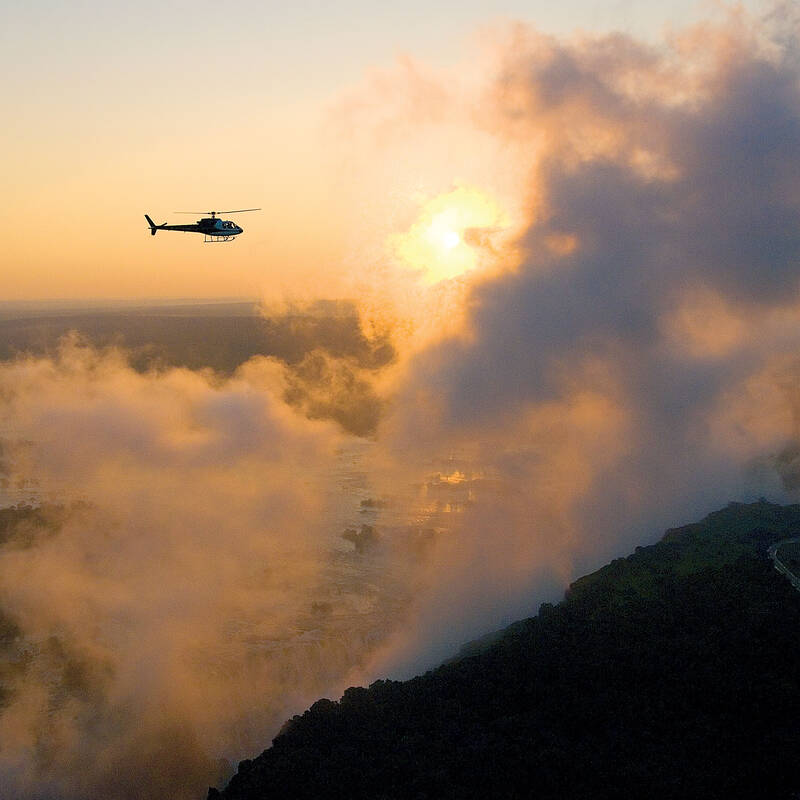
217 213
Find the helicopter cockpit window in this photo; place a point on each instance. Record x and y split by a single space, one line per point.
227 225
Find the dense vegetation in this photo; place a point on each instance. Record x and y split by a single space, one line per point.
22 527
672 673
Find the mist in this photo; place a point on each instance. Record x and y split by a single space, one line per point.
624 360
630 362
187 599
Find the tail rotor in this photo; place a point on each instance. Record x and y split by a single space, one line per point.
153 226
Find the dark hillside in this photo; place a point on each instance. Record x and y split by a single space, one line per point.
672 673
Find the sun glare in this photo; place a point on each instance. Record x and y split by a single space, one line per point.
451 239
451 235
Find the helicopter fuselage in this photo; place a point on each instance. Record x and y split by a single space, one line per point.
212 228
209 226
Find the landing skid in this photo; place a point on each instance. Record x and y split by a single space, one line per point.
209 238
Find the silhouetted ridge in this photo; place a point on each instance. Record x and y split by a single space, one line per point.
670 673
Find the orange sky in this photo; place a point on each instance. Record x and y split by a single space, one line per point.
164 107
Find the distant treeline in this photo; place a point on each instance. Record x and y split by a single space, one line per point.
196 341
329 360
672 673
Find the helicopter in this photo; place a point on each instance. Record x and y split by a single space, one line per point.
212 228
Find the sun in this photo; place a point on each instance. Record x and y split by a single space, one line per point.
447 238
443 232
451 239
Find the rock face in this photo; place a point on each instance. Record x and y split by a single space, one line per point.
670 673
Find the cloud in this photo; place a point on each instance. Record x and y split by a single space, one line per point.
324 388
337 356
634 367
168 618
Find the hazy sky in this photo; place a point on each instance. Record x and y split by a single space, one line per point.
117 110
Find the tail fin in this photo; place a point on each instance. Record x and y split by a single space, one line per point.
153 226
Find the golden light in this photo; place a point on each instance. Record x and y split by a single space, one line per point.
451 235
451 239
